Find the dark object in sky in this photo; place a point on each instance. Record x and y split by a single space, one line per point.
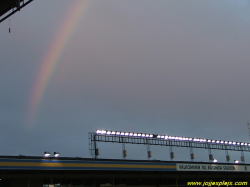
10 7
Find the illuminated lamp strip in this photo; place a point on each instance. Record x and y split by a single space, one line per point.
166 137
120 133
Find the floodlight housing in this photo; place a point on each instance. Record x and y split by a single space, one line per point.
215 160
46 154
236 161
56 154
169 138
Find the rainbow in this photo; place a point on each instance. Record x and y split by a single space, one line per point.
52 57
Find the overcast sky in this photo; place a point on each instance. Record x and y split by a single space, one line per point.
169 67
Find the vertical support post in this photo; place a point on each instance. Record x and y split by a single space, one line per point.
95 147
18 5
91 145
149 152
124 152
248 125
210 156
171 152
227 156
191 154
242 158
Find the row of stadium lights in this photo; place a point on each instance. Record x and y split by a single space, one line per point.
166 137
120 133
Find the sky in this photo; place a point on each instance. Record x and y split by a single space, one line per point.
178 68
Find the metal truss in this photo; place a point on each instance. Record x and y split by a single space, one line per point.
13 7
155 140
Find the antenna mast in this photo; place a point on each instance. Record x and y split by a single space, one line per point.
248 125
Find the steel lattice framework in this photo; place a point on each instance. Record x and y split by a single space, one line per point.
162 140
10 7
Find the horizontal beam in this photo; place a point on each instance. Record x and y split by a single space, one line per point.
156 140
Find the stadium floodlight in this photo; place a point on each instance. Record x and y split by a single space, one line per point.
195 140
236 161
170 138
215 160
100 132
56 154
46 154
